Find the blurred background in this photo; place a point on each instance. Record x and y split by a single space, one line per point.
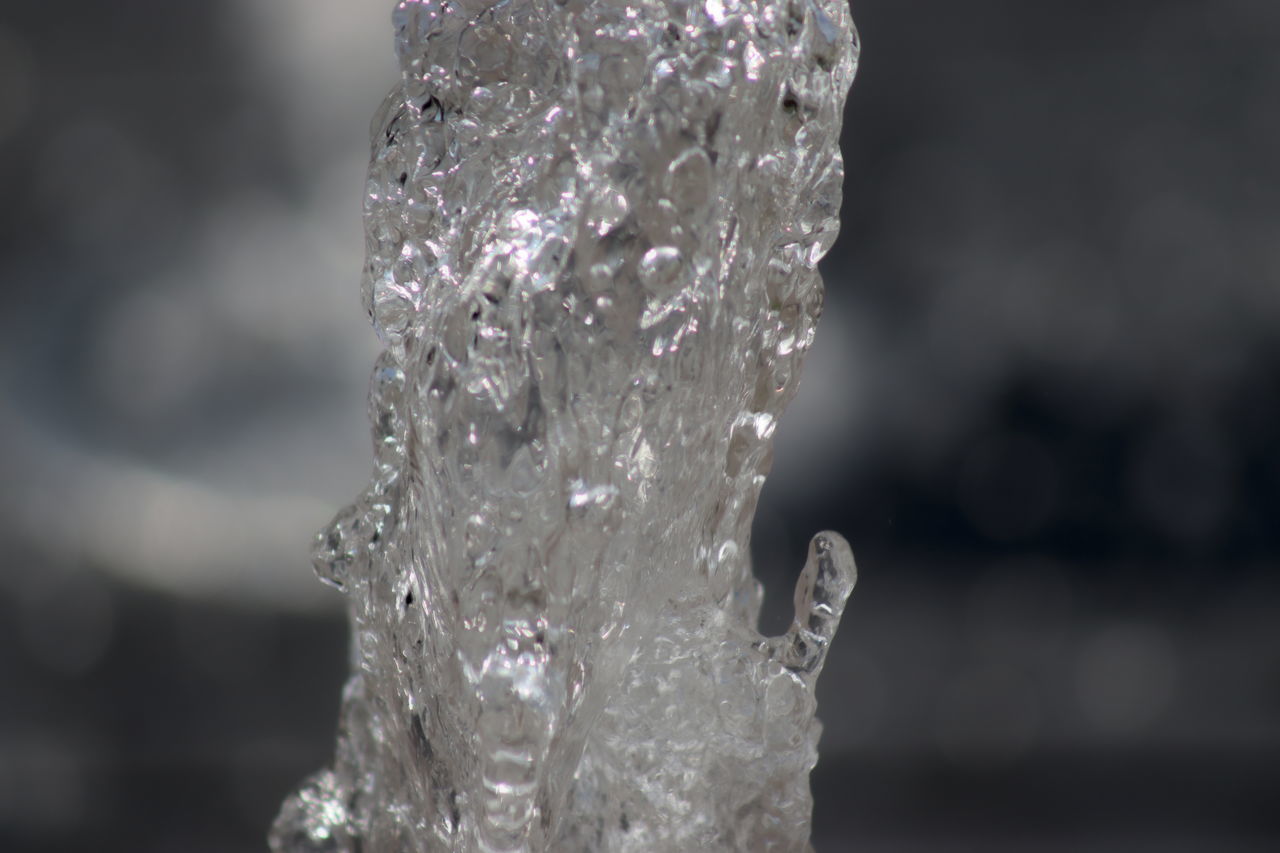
1043 407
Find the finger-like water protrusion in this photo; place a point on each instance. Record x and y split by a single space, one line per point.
821 592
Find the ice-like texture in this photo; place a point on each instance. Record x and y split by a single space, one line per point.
593 232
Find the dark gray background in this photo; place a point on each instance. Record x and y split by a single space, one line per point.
1043 408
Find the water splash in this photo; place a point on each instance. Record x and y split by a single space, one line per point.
593 232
